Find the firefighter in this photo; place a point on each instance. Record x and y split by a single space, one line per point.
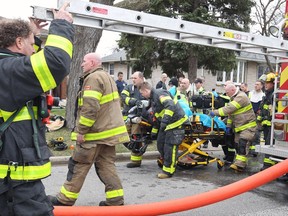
24 154
265 116
130 97
171 121
99 127
243 120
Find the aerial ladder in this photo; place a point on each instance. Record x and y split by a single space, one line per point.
116 19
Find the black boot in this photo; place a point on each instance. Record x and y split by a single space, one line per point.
133 164
283 178
55 201
103 203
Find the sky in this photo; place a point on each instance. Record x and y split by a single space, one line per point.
22 9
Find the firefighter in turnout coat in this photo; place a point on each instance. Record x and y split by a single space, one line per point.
24 154
242 120
130 97
99 127
172 120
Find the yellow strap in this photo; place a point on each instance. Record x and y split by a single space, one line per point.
42 71
162 99
109 97
60 42
136 158
26 172
241 158
102 135
94 94
177 123
22 115
114 193
69 194
168 112
86 121
243 127
242 110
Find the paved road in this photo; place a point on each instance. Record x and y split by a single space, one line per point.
142 186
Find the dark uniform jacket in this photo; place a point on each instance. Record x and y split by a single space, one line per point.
161 85
167 110
23 79
129 96
266 106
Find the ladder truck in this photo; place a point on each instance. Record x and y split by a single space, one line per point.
116 19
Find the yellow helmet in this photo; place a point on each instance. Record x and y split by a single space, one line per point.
270 77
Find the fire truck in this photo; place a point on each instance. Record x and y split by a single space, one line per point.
139 23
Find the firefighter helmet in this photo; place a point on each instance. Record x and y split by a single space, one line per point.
270 77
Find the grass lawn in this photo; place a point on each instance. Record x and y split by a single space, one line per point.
65 133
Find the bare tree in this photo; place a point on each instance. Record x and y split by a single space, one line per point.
86 40
267 13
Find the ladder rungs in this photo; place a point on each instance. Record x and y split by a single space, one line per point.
221 42
147 30
110 23
280 121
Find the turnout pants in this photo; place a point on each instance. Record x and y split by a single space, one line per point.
84 156
243 140
28 199
167 145
135 130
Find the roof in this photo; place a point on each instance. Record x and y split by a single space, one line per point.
255 57
115 57
121 56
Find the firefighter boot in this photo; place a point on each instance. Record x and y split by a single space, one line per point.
164 175
283 178
160 162
103 203
236 168
55 201
133 164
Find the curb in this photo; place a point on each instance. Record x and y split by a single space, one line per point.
150 155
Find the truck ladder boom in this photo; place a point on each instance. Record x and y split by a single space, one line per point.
111 18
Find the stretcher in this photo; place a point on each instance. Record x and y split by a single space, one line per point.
190 153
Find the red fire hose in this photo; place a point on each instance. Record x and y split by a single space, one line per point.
183 204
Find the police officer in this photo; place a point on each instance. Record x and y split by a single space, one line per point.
171 121
24 154
130 97
243 120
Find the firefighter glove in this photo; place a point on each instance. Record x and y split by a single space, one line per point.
228 130
163 126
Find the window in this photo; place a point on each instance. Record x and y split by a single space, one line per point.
111 69
262 69
237 76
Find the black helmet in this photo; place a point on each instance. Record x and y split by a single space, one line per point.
173 81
